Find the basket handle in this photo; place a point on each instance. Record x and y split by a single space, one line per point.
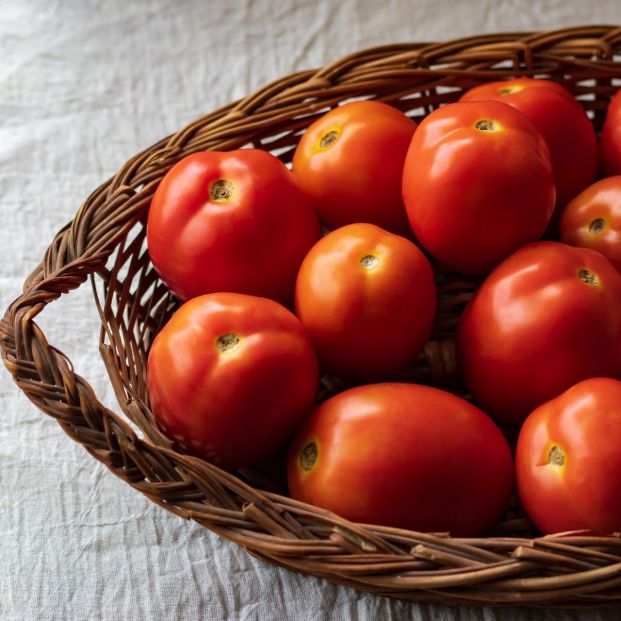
41 370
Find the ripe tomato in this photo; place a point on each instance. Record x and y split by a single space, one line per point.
477 184
562 122
593 219
403 455
231 221
568 460
367 299
350 163
544 319
230 376
610 147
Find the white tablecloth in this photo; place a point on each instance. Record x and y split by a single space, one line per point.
83 86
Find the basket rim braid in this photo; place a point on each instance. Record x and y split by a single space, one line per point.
105 243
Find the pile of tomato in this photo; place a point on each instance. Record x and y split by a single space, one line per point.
326 268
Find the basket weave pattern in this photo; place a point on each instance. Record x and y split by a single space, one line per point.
106 242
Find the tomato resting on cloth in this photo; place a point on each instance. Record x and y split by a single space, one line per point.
403 455
568 461
350 163
230 221
367 299
230 376
544 319
562 122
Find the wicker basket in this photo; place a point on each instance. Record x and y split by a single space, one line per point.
106 241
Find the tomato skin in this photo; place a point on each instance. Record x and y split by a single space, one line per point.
562 122
232 407
580 486
464 188
593 219
534 328
366 323
252 242
358 177
610 144
404 455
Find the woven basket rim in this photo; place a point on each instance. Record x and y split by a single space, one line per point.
573 570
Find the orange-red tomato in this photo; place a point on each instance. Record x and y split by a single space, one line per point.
610 146
230 221
403 455
544 319
477 184
593 219
568 461
562 122
367 299
230 376
350 163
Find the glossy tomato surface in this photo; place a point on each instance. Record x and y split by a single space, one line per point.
477 184
593 219
367 299
562 122
568 461
403 455
230 221
610 145
350 163
230 376
544 319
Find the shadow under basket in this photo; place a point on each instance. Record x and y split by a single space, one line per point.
106 243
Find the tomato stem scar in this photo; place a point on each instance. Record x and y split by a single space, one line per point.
369 262
507 90
486 125
597 226
588 277
556 457
221 190
328 139
227 342
308 456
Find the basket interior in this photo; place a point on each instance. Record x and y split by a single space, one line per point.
135 304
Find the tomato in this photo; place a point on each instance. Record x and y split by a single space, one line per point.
230 376
231 221
562 122
403 455
610 146
350 162
544 319
568 460
477 184
367 299
593 219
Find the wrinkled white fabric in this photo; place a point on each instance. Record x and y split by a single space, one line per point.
83 86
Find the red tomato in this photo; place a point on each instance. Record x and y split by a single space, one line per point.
231 221
593 219
562 122
403 455
568 461
367 299
477 184
350 163
544 319
230 376
610 147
